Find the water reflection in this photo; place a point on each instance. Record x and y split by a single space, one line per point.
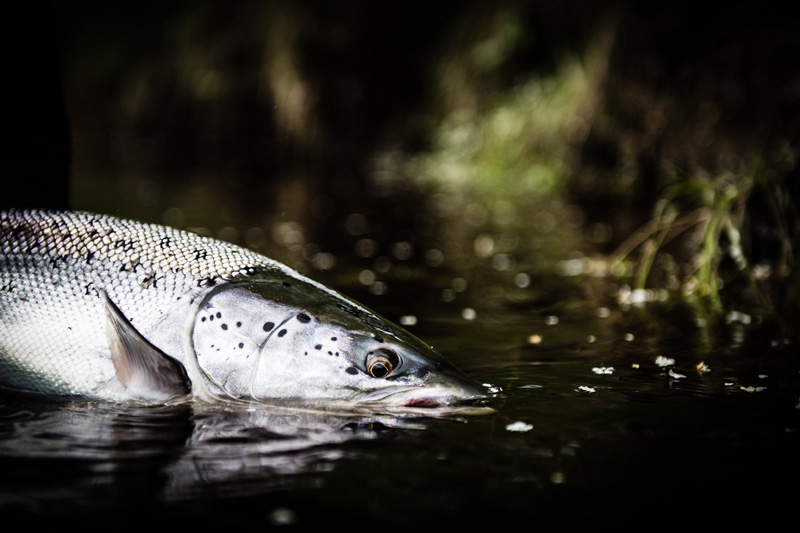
91 455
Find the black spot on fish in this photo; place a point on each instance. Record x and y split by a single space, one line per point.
286 284
219 315
379 339
304 318
268 326
238 324
200 254
281 333
241 345
334 339
225 326
203 319
318 347
330 352
351 370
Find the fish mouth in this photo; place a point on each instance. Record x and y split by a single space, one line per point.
421 396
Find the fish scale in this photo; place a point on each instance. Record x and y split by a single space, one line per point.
101 307
47 268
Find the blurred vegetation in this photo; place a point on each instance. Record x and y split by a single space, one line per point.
650 148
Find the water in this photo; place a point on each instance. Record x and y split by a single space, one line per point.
607 414
591 428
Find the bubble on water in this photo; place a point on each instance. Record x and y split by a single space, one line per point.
408 320
366 277
282 516
551 320
459 284
468 313
434 257
603 370
484 245
522 280
382 264
402 251
366 247
323 261
379 288
504 262
288 233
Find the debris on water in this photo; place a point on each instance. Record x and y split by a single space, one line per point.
584 388
520 427
535 339
629 337
603 370
590 339
635 365
551 320
753 389
675 375
664 361
702 367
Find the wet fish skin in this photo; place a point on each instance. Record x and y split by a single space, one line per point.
102 307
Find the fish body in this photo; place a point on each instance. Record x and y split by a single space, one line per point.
101 307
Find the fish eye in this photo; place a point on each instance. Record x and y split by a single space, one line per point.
381 362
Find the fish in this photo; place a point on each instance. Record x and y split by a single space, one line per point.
100 307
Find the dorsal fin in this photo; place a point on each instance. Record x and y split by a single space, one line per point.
146 372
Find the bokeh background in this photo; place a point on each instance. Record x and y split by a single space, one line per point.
415 154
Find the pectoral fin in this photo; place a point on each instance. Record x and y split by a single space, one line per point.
146 372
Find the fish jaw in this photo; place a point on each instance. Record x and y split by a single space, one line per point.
448 391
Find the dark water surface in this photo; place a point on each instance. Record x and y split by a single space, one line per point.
591 428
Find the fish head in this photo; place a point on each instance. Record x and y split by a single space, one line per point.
290 338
